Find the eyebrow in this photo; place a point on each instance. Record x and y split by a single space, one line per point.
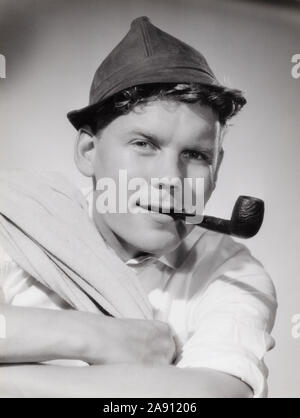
158 141
149 136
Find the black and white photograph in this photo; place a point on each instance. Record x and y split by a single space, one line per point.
149 201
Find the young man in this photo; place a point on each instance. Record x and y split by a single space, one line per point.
155 306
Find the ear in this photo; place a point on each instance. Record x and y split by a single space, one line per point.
84 152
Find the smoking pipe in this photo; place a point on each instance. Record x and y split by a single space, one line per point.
246 219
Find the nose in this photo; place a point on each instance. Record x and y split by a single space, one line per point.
170 173
167 190
169 178
169 182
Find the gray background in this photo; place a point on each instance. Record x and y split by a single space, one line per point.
52 50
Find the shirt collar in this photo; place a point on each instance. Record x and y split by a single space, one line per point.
176 257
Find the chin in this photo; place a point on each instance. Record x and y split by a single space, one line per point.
145 234
155 242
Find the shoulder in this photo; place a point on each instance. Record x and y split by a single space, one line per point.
47 185
222 259
232 310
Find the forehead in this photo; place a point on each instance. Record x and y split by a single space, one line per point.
169 121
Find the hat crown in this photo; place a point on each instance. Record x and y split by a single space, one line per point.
145 40
138 20
145 55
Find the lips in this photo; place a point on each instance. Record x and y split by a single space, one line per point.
165 210
163 213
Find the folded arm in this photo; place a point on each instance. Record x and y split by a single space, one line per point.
39 335
142 349
122 380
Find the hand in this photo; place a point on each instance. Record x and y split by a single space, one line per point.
130 341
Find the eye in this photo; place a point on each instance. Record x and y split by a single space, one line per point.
196 155
144 145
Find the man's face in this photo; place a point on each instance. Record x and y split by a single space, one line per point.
162 139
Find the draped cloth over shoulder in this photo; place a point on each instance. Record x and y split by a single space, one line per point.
46 229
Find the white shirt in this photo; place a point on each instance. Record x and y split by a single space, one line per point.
217 298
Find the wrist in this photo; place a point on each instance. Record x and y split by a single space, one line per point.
88 338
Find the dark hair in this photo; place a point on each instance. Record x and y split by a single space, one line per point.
225 102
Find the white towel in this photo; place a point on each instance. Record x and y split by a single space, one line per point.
45 228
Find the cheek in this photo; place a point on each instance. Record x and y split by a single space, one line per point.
111 159
203 173
116 166
209 187
106 162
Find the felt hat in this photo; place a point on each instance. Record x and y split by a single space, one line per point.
145 55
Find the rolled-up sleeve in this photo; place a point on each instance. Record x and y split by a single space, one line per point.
8 269
232 319
13 279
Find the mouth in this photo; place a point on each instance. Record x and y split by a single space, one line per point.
164 211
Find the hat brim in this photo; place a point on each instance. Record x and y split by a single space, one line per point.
81 117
